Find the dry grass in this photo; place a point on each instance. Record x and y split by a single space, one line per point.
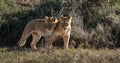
59 56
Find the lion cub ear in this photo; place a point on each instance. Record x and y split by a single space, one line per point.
55 20
46 17
70 17
61 16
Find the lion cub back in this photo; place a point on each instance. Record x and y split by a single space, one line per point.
42 26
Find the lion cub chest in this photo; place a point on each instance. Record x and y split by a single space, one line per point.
48 32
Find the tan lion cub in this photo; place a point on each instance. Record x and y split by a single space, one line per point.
63 30
37 28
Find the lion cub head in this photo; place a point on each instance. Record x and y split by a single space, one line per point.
50 20
50 24
65 22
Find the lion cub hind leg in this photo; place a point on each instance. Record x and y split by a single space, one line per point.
22 41
35 39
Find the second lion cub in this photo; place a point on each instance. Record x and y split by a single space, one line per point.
37 28
62 29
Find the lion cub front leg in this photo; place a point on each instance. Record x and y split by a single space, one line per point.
49 41
35 39
66 41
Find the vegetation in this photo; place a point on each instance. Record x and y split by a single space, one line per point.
60 56
95 27
95 23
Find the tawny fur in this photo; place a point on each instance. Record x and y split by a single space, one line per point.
37 28
63 30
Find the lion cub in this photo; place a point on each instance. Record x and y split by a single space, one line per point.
37 28
62 29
